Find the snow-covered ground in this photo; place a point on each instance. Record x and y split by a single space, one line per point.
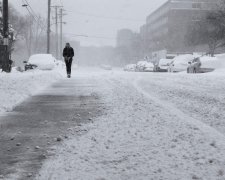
16 86
156 126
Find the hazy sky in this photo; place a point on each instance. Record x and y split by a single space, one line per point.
83 16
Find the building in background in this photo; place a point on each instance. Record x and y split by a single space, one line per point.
128 47
95 56
124 37
166 27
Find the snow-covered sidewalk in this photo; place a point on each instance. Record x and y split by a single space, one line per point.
140 136
16 86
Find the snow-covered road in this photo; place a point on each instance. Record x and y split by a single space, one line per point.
154 126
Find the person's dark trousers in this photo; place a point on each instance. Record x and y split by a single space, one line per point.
68 62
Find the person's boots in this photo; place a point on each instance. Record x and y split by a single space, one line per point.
69 76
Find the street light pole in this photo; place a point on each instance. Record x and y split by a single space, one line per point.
48 27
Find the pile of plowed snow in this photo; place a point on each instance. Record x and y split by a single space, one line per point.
16 86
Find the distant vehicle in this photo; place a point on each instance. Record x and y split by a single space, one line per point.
180 63
140 66
144 66
106 67
194 66
149 67
41 62
203 65
164 65
130 67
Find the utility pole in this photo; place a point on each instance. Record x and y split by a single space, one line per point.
6 65
30 36
61 30
56 31
48 27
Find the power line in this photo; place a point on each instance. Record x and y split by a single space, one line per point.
31 9
33 14
91 36
43 27
106 17
94 37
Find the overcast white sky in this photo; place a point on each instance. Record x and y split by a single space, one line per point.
80 21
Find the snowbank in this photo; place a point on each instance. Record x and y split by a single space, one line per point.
16 86
141 135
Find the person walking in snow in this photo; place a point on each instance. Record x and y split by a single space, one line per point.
68 54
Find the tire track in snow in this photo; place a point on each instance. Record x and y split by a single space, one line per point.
210 131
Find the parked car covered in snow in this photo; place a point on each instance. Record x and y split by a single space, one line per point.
144 66
180 63
203 65
164 65
149 67
130 67
41 62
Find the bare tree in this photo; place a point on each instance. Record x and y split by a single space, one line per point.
209 30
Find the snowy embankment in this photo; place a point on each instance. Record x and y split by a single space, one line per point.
16 86
143 135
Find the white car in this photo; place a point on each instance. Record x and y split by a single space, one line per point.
144 66
42 62
130 67
164 65
181 63
149 67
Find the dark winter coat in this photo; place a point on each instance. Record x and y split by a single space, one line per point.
68 52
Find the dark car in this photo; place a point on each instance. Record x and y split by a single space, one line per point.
202 65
